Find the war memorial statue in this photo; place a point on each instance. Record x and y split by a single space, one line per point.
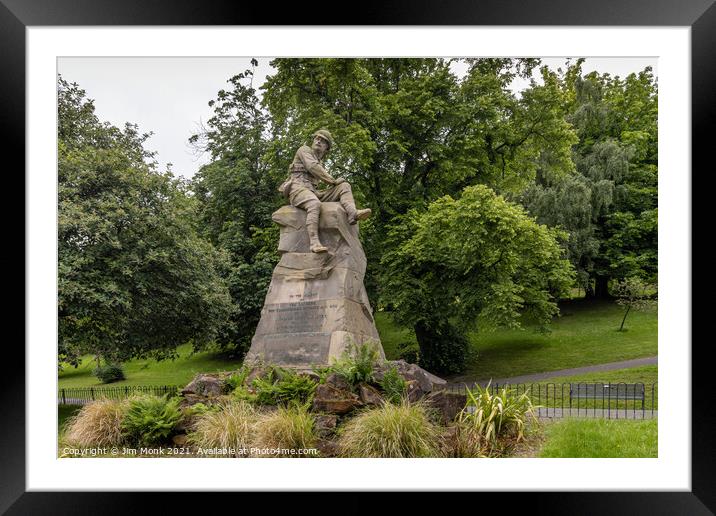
305 173
316 304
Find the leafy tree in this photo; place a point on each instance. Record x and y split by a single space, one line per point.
237 193
134 279
578 151
476 257
411 131
609 206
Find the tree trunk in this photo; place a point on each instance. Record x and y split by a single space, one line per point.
600 288
423 336
621 328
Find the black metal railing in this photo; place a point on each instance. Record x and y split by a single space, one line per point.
615 400
83 395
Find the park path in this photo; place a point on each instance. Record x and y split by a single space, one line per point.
537 377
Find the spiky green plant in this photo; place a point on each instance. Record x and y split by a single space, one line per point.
488 416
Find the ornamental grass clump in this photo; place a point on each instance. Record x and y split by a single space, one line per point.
489 420
402 430
150 420
229 427
97 424
288 428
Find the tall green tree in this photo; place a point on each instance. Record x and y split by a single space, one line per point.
609 207
476 258
134 278
237 193
410 130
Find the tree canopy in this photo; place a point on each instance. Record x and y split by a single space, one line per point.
478 256
488 204
134 278
578 151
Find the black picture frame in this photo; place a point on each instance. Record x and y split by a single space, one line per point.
699 15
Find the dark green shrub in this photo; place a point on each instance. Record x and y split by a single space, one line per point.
151 420
109 373
443 348
393 386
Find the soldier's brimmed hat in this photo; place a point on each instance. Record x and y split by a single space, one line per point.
323 133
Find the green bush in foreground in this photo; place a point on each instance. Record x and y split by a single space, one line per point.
231 426
150 420
601 438
97 424
403 430
109 373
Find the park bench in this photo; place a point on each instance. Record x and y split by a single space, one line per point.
607 391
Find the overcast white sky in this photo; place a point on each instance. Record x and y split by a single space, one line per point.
169 95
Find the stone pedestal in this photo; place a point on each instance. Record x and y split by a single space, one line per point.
316 303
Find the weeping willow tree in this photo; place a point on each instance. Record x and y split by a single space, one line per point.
609 205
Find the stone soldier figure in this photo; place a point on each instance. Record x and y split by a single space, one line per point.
305 173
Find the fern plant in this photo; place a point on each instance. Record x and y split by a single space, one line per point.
151 420
357 363
282 386
393 385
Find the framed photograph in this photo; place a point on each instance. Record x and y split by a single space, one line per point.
150 61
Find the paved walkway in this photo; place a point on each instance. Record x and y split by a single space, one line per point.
537 377
633 413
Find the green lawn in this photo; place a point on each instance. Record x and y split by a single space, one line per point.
643 374
585 333
151 372
601 438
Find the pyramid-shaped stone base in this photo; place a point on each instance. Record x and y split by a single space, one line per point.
316 304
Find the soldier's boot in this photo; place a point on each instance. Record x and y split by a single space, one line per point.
349 204
312 212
